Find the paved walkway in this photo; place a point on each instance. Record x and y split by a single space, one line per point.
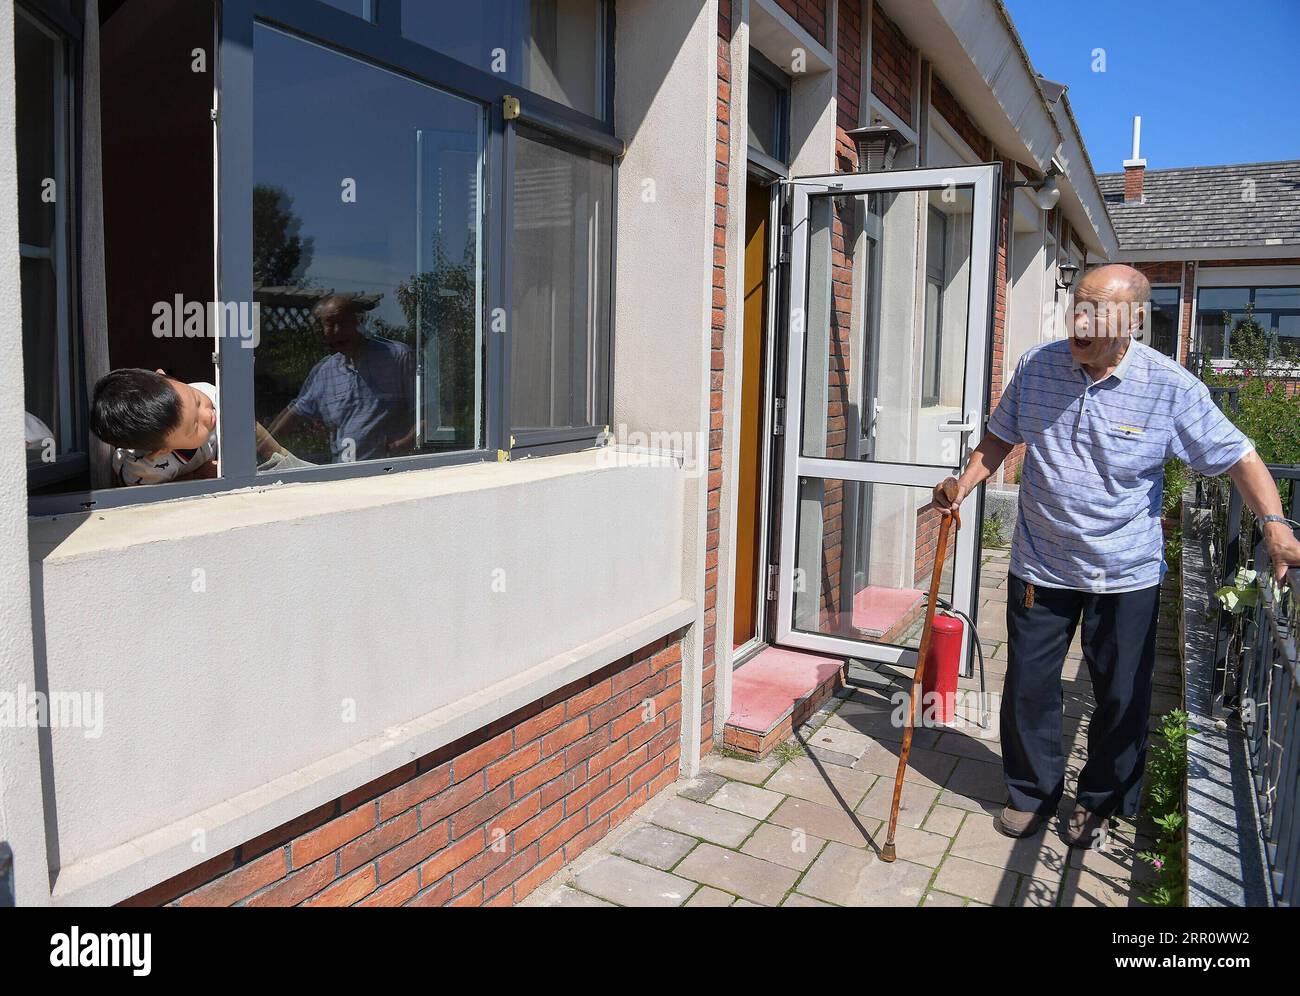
804 827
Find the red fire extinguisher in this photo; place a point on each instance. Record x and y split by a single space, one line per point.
942 664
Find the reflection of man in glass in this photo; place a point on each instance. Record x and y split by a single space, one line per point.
363 392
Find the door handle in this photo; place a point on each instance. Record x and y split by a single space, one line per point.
967 426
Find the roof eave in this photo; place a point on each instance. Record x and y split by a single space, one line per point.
973 45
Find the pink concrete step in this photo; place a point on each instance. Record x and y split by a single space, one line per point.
767 687
877 610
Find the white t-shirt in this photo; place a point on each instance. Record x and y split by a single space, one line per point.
132 467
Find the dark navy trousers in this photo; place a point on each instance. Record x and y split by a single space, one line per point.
1119 647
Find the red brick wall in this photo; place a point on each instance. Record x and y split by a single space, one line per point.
717 364
891 65
848 83
482 821
809 15
1170 272
952 111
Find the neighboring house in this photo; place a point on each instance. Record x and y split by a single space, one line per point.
1212 240
677 378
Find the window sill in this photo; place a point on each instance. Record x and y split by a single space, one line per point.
67 535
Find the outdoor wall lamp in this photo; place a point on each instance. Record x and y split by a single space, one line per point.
1045 192
877 145
1065 274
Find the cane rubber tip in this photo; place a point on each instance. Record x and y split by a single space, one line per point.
888 854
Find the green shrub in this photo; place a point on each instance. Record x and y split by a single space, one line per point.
1166 775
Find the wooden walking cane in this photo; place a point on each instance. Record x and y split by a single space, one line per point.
888 853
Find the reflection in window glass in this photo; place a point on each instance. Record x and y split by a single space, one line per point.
1277 309
866 552
553 47
366 260
561 273
1163 334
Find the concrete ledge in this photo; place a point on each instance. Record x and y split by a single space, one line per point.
1225 861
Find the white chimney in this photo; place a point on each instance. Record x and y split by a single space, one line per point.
1135 167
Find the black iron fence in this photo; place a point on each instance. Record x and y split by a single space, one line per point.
1257 668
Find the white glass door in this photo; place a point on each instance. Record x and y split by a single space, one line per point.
886 389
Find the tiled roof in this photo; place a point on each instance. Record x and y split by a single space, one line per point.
1246 204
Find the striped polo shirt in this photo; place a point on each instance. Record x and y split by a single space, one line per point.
1093 475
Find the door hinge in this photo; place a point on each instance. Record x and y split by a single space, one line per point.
773 574
783 247
778 416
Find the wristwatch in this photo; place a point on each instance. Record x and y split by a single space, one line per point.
1264 519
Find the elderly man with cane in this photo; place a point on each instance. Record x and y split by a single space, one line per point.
1099 414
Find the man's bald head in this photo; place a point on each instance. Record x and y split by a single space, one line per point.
1114 282
1111 302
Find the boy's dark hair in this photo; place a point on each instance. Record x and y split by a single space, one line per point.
134 409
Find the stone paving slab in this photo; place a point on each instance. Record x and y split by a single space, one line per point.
827 822
925 766
748 800
795 899
655 846
839 741
706 822
831 785
913 805
943 899
1041 856
849 876
708 896
790 848
631 884
743 875
740 770
566 896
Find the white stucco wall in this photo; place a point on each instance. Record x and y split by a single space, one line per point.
21 821
663 281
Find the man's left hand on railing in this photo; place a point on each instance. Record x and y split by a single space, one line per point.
1283 548
1258 489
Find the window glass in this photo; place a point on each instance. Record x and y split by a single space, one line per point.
51 391
1277 309
553 47
935 242
1163 334
366 260
561 271
764 115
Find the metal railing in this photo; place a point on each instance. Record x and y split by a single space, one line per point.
1257 669
1270 714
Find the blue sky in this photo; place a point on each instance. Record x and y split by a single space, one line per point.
1214 82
